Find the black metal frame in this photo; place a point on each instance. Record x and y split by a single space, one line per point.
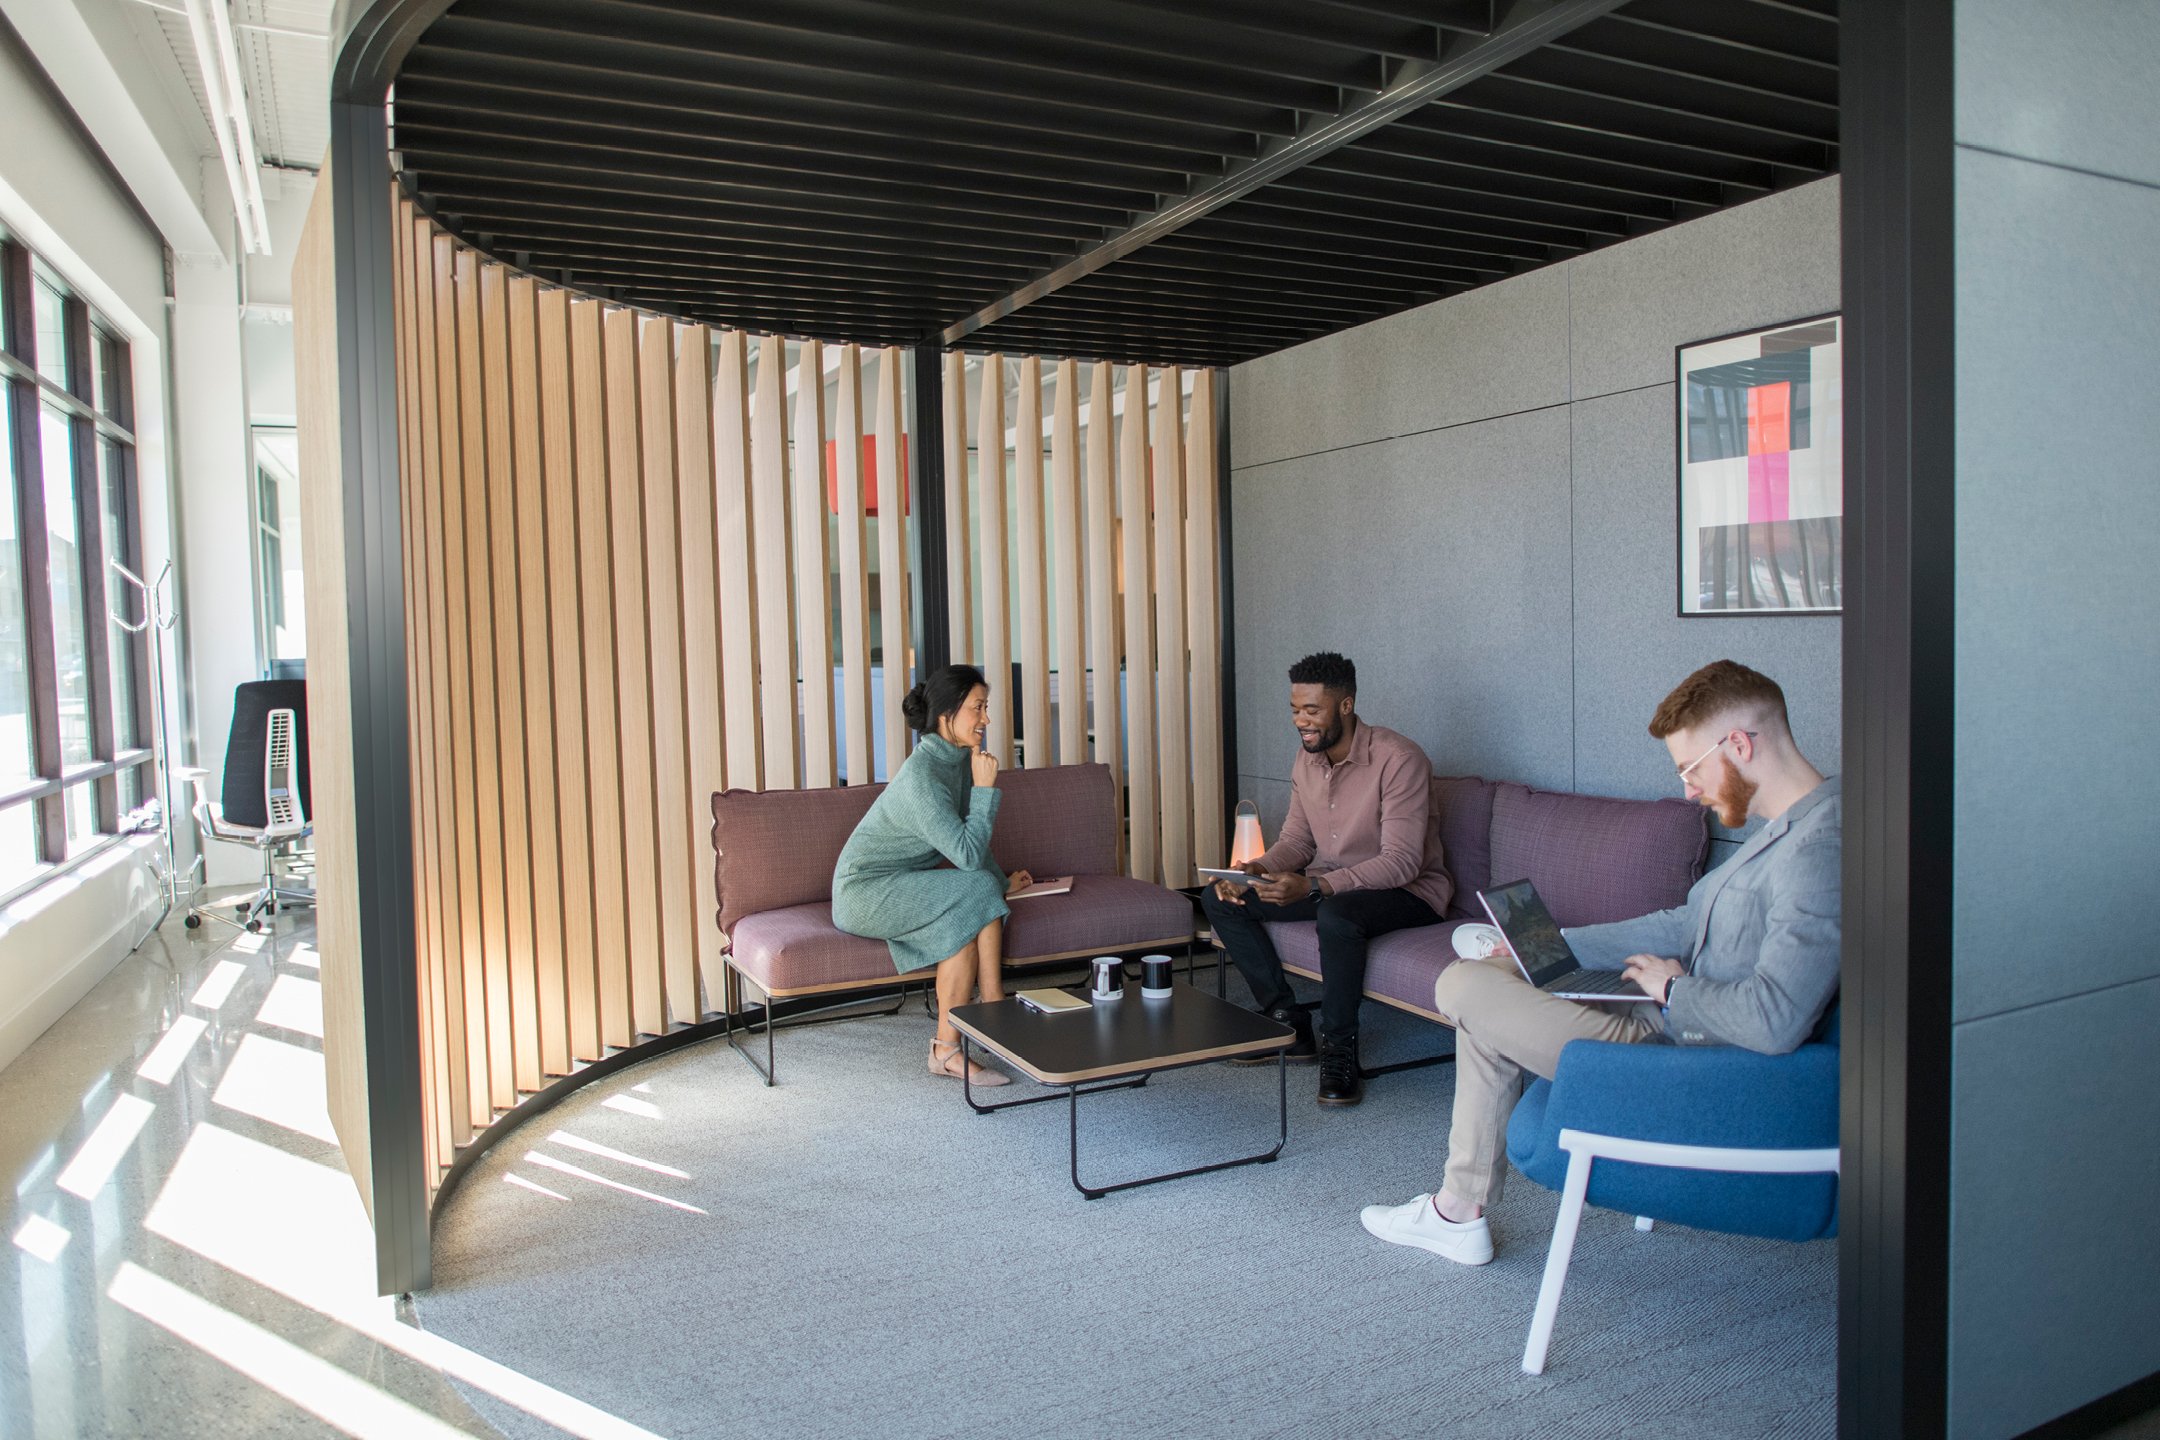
1898 234
1680 536
1072 1093
28 393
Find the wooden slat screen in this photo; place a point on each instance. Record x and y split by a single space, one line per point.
1108 556
631 544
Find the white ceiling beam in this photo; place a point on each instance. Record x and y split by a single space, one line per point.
69 52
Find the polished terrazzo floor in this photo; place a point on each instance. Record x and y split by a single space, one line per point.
186 1254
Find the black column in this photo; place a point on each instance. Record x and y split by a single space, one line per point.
359 177
933 643
1893 1251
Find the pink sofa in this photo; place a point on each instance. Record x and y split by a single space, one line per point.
774 852
1592 858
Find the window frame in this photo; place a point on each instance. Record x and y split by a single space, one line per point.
102 454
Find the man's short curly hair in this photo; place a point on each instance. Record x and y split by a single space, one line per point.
1718 688
1327 669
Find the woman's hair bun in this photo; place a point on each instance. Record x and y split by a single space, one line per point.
915 709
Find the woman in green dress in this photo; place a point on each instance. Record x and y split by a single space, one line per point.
917 872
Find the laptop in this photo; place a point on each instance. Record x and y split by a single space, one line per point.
1542 952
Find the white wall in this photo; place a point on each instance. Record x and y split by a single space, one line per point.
58 197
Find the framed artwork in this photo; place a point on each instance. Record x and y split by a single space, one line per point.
1761 470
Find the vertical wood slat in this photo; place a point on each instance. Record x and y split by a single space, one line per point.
448 981
990 472
1102 626
509 758
1203 588
1173 711
1028 541
958 566
558 452
421 639
738 578
776 596
895 638
698 546
596 581
470 958
672 809
854 572
1071 580
485 738
813 562
1142 813
633 671
536 670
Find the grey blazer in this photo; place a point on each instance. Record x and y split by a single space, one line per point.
1759 936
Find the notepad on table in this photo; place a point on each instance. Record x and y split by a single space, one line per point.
1050 1002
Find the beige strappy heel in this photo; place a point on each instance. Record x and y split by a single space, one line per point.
945 1060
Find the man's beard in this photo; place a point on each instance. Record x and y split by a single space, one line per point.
1734 794
1327 739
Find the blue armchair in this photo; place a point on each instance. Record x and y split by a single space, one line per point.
1715 1138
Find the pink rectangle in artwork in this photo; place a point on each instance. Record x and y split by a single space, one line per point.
1769 487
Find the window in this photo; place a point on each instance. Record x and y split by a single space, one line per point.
74 733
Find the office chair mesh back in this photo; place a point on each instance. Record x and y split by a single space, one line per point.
281 779
248 765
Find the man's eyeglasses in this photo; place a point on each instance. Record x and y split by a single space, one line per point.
1689 768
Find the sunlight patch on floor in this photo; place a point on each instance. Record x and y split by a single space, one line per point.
280 1083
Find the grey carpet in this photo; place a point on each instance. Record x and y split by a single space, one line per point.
874 1259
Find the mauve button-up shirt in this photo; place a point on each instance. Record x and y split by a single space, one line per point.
1367 823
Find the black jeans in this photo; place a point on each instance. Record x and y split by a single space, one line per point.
1348 925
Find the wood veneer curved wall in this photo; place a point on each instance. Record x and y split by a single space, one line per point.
631 582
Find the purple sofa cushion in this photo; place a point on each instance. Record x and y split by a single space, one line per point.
1060 820
1102 914
797 947
777 848
1400 967
1465 806
1596 859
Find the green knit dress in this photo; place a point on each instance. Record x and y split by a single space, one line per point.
887 885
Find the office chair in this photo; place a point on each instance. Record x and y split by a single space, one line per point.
265 794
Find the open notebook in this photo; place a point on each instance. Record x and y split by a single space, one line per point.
1050 885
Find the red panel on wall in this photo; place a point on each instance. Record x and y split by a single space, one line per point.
869 475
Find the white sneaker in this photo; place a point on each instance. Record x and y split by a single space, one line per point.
1466 1242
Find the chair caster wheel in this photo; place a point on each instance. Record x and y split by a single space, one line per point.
271 908
193 922
254 927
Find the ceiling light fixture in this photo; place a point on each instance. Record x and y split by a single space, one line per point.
210 26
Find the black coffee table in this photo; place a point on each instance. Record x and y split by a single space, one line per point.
1122 1042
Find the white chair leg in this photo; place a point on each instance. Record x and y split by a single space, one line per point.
1556 1263
1644 1223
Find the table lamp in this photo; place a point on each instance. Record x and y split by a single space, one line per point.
1246 841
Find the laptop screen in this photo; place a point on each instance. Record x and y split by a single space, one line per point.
1530 929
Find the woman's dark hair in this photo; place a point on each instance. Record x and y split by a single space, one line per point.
939 696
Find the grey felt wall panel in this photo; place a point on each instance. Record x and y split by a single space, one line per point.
2055 1149
1420 493
1775 259
1455 609
2058 523
1492 351
2070 82
1630 645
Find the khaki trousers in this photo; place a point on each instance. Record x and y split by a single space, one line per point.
1504 1026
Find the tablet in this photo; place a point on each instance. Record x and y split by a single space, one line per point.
1234 877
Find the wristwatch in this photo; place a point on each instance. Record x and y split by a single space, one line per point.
1666 1003
1319 886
